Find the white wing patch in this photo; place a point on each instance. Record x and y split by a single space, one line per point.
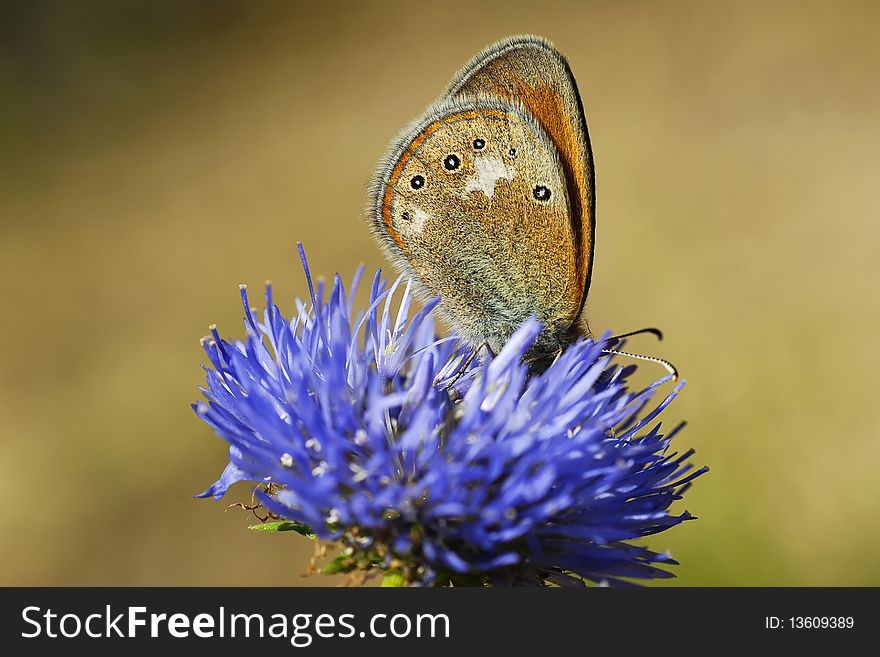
489 171
419 219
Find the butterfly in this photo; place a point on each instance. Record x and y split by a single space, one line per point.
488 198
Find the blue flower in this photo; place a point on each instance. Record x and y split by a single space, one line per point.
376 434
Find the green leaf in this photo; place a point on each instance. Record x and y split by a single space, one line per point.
284 526
341 564
393 578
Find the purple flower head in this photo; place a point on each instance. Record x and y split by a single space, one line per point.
376 433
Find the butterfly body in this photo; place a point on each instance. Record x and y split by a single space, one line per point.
487 200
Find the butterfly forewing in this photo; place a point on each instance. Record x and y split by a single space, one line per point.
529 71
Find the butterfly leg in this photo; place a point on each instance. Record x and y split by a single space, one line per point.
470 359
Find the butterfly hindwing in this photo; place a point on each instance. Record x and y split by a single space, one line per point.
473 201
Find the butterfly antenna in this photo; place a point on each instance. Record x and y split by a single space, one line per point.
657 333
652 359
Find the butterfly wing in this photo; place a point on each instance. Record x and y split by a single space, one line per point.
529 71
472 201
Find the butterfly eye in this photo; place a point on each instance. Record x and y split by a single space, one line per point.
417 182
541 193
479 144
451 162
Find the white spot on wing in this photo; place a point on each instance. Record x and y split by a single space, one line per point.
489 171
419 219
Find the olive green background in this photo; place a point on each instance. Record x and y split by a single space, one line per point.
155 155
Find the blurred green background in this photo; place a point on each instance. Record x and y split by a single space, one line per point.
153 155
